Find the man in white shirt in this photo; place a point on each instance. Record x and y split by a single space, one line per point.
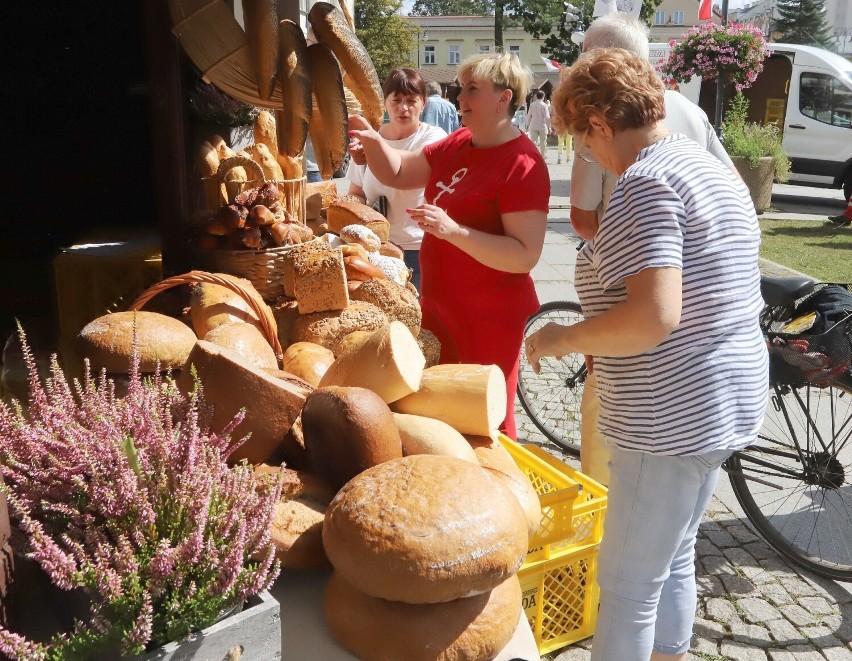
538 123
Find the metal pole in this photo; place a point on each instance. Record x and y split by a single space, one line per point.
720 82
418 46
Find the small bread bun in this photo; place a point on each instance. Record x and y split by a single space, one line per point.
395 269
348 430
389 249
245 341
362 235
425 529
308 361
477 627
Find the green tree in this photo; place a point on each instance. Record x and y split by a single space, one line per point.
802 22
387 36
451 8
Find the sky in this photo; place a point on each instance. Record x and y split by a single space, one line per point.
732 4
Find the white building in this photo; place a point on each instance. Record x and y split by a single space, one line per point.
838 16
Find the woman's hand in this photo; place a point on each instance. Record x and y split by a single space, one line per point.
549 340
359 130
434 220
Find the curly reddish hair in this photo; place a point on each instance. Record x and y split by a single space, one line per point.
613 83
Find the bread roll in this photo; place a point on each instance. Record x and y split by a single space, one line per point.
261 24
206 160
430 345
212 305
297 520
389 249
425 529
264 128
294 76
327 328
395 269
361 235
395 301
422 435
108 342
329 127
308 361
331 29
361 269
348 430
245 341
477 627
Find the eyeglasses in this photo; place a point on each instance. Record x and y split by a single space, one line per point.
583 149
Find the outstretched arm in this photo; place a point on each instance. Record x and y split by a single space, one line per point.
393 167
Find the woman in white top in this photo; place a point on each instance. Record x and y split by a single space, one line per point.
405 96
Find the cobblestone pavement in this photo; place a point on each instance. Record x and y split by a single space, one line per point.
753 605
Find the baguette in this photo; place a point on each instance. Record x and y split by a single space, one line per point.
261 21
331 29
294 76
328 127
264 131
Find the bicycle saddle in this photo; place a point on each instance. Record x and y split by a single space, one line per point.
784 291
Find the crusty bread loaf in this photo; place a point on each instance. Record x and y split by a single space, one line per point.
362 235
294 76
298 254
212 305
319 280
341 213
493 456
261 24
286 312
308 361
327 328
245 341
430 345
389 249
206 160
230 384
477 627
422 435
271 169
264 128
347 430
351 341
425 529
329 126
327 190
360 269
397 302
331 29
108 341
395 269
292 448
297 521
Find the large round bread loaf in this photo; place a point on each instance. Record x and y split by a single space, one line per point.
308 361
471 629
108 341
397 302
425 529
212 305
327 328
422 435
346 431
245 341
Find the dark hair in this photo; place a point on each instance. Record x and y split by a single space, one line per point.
404 81
539 95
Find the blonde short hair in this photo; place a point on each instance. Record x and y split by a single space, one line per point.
504 70
619 86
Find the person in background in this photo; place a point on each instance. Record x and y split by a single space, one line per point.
592 186
405 96
670 286
312 171
538 123
563 139
485 217
520 118
844 219
438 111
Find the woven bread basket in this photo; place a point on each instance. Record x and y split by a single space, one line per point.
263 312
263 267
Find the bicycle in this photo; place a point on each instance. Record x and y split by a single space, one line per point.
795 482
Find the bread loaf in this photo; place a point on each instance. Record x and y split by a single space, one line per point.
422 435
347 430
212 305
297 521
389 249
308 361
470 398
351 341
389 363
294 76
327 328
395 301
331 29
245 341
230 384
361 269
341 213
286 312
477 627
430 345
330 127
319 281
271 169
395 269
361 235
425 529
108 342
327 191
206 160
261 23
264 129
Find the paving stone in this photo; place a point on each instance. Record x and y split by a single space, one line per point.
838 653
797 615
721 538
739 557
796 585
708 525
817 605
704 548
716 564
785 633
751 634
805 653
709 586
775 594
709 629
743 534
758 610
737 585
574 653
741 652
821 637
704 646
780 655
721 610
761 550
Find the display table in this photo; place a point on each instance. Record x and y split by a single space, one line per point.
304 636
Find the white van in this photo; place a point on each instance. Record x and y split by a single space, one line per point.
807 92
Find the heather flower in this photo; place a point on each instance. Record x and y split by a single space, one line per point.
735 50
132 500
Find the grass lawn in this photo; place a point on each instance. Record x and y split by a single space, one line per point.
812 247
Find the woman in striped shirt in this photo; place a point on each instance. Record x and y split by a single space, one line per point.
671 289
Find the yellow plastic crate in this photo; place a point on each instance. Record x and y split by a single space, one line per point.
558 578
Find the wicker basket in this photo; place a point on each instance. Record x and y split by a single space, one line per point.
264 268
268 326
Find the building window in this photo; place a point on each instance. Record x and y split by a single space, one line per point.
454 55
659 18
483 48
677 17
428 55
515 49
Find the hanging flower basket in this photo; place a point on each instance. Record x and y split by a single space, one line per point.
735 50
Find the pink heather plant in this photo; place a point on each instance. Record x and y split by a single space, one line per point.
131 499
736 49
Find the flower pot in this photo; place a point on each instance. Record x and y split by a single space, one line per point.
758 180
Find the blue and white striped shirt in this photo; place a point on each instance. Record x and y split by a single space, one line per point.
705 387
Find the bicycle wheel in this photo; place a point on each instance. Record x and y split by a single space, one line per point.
552 398
795 482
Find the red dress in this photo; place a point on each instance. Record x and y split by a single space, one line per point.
477 312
